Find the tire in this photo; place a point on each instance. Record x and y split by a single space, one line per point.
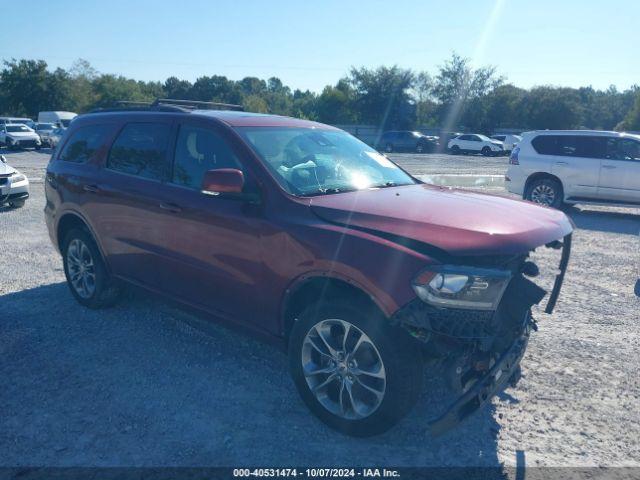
455 150
400 363
17 204
102 291
545 191
388 148
486 151
38 147
421 148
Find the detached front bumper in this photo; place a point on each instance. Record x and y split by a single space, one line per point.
484 388
503 335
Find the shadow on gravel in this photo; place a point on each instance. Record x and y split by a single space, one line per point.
138 384
614 222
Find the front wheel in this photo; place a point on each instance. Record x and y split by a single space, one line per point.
86 273
17 204
420 148
486 151
545 191
388 148
455 150
352 369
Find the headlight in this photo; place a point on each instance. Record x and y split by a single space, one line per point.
17 177
455 286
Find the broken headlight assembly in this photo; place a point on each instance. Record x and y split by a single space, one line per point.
453 286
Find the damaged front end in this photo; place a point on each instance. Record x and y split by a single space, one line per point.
475 323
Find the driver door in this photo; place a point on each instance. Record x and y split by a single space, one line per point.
213 242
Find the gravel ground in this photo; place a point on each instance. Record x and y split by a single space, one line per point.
147 384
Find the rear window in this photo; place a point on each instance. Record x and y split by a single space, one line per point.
141 150
83 143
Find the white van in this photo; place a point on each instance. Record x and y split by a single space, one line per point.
62 119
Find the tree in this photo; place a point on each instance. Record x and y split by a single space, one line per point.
552 108
177 89
336 104
459 89
632 120
382 96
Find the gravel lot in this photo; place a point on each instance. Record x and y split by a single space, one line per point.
147 384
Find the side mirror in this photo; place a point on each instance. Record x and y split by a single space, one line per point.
223 180
3 159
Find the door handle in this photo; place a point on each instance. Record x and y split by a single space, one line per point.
609 167
91 188
561 163
170 207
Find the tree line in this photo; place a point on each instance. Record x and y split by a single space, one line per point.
455 97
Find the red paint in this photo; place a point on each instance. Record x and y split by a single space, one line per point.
239 259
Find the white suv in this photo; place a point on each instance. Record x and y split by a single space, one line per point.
475 143
576 166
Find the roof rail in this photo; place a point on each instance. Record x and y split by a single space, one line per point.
194 104
166 105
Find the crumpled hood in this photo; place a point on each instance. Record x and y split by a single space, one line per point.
459 222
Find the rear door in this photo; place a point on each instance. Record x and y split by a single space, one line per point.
620 174
131 219
213 241
576 162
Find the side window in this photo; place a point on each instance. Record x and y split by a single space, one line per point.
83 143
141 149
623 149
463 137
546 144
198 150
474 138
581 146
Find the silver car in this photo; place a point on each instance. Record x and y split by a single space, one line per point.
45 130
14 186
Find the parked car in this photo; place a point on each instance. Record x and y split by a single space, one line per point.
302 233
45 131
508 141
14 186
475 143
576 166
398 141
55 137
22 120
19 136
61 119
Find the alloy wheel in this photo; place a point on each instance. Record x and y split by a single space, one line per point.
543 194
343 369
81 268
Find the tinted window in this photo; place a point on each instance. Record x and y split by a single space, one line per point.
623 149
83 143
198 150
464 137
545 144
141 149
570 145
502 138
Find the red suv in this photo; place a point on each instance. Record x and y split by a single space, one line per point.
301 232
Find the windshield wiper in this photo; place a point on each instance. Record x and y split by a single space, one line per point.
384 185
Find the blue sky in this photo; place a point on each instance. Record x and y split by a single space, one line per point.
310 44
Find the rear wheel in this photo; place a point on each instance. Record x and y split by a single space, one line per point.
545 191
86 273
356 373
17 204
